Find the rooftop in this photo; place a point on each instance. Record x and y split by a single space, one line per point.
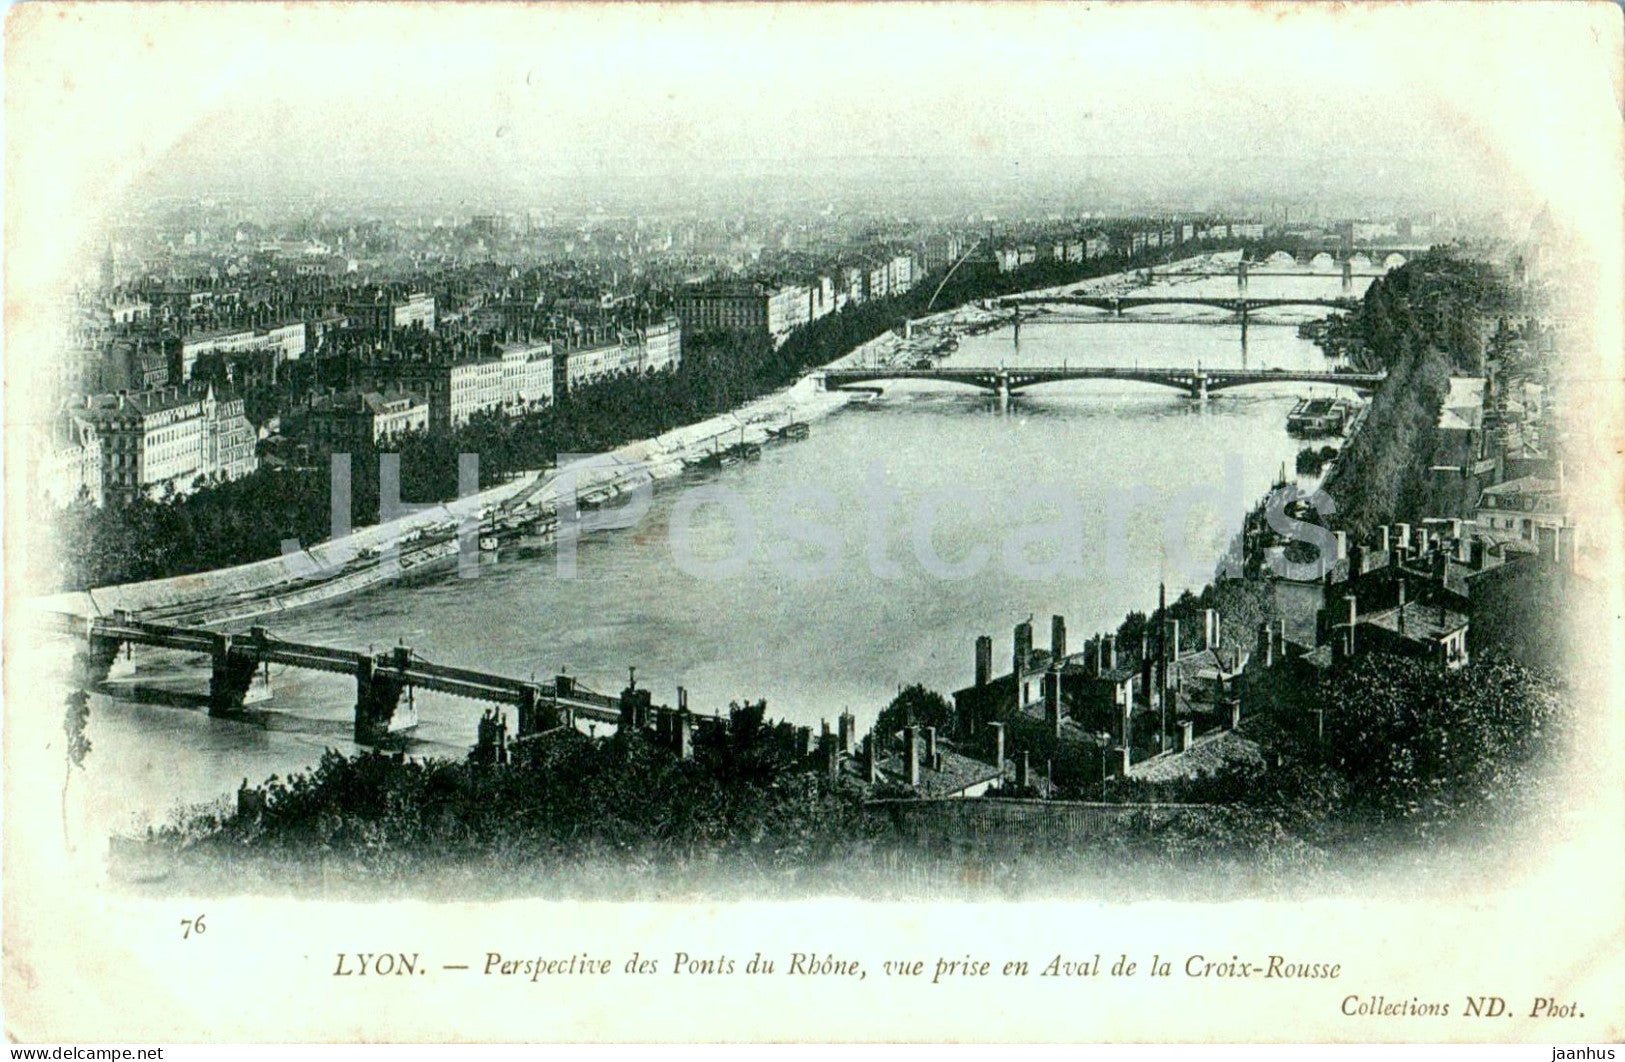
1523 485
1206 756
959 772
1464 406
1206 663
154 401
1421 622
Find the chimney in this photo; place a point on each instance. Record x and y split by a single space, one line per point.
1210 628
998 747
1266 645
685 734
1173 640
1111 652
1384 540
1023 647
1342 544
1354 618
848 726
1278 638
1125 759
931 746
1422 536
1052 700
1182 740
1100 654
871 759
1404 535
1057 638
911 754
984 660
832 757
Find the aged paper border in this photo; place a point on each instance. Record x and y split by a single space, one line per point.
96 93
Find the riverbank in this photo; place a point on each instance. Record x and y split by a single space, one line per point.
434 537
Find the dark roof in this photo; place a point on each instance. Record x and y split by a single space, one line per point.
1226 659
959 772
1422 622
1206 756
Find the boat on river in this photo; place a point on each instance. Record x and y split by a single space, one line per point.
1313 417
718 457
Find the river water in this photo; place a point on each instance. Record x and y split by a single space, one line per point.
1076 498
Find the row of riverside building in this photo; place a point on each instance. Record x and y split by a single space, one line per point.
774 309
159 439
165 441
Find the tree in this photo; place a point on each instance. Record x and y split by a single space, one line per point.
1422 749
74 721
915 706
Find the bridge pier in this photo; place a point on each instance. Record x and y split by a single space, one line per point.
1002 386
1348 277
636 707
538 712
378 710
103 658
529 715
236 676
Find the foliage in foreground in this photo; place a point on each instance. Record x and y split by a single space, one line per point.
1410 757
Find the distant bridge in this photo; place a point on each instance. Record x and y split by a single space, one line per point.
1246 269
240 666
1198 383
1118 304
1193 274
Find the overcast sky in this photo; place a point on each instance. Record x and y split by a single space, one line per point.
1444 104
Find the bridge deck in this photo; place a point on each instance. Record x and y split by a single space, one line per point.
1016 378
418 674
1234 303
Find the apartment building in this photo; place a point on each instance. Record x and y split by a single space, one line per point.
164 440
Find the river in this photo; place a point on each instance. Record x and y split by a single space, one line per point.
900 497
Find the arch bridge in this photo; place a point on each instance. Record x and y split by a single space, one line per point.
1241 305
1198 383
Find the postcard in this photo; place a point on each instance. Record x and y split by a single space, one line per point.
813 522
